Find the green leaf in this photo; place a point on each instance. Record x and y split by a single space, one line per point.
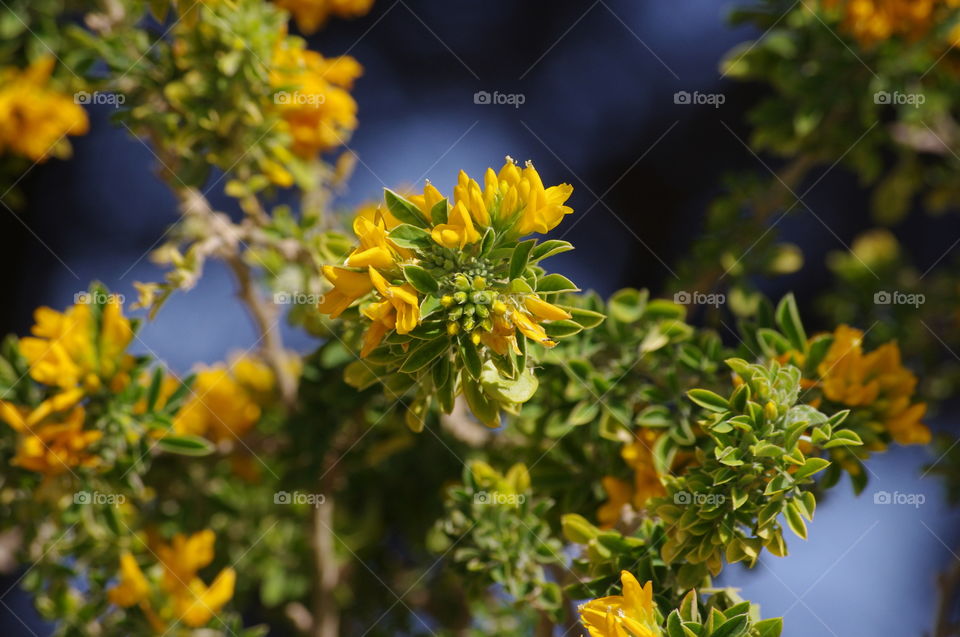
795 520
403 210
708 400
788 319
411 237
732 627
553 283
674 625
548 249
154 391
561 329
769 627
470 357
810 467
420 279
519 258
627 305
185 445
506 390
587 319
844 438
438 214
422 355
486 410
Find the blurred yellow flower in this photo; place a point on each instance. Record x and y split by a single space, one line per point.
54 446
225 400
310 15
34 118
876 381
632 614
76 348
186 598
313 97
873 21
646 480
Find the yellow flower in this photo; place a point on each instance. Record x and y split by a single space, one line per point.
313 97
310 15
375 249
54 447
877 381
348 286
35 119
543 310
374 212
384 319
223 405
530 328
619 494
186 599
459 229
425 202
873 21
70 349
520 194
632 614
646 480
404 300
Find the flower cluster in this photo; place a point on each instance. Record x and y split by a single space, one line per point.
646 482
225 401
35 119
310 15
313 98
873 21
173 593
73 354
436 278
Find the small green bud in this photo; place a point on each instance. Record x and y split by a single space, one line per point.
486 325
468 323
469 309
479 283
483 311
481 298
453 328
455 313
460 297
446 300
461 283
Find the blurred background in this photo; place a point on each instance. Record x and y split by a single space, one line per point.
586 91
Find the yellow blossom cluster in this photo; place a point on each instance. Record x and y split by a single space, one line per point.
180 596
313 98
310 15
877 381
646 480
873 21
632 614
35 119
225 400
75 353
513 201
